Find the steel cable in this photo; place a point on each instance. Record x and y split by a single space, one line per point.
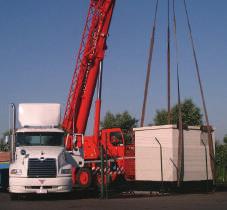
180 121
210 141
168 70
149 66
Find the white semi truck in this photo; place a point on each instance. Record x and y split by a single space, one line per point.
39 161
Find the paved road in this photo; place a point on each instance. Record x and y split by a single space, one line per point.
217 201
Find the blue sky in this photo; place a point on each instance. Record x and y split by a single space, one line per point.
39 41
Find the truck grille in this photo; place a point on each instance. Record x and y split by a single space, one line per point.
42 168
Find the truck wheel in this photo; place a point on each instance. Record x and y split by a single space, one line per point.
84 177
14 196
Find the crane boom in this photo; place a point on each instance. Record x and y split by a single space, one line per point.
91 53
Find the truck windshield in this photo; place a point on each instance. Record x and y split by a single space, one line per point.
40 139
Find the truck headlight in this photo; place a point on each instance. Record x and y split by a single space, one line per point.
16 171
23 152
66 171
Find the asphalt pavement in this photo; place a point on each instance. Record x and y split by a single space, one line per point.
77 201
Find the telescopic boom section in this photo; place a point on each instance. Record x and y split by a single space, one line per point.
91 53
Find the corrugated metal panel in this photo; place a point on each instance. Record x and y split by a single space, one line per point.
195 160
147 153
148 162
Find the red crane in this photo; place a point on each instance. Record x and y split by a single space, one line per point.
90 56
87 72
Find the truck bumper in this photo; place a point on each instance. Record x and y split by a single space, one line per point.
40 185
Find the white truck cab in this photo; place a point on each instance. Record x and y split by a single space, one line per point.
40 162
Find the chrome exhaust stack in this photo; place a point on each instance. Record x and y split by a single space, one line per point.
12 123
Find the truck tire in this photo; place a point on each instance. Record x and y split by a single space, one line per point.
84 178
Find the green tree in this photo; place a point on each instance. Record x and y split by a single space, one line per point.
191 114
225 139
161 117
120 120
3 146
221 161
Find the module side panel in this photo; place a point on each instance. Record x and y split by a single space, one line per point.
147 155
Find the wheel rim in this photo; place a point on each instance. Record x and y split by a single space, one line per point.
84 178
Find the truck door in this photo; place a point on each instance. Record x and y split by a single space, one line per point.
113 141
117 143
